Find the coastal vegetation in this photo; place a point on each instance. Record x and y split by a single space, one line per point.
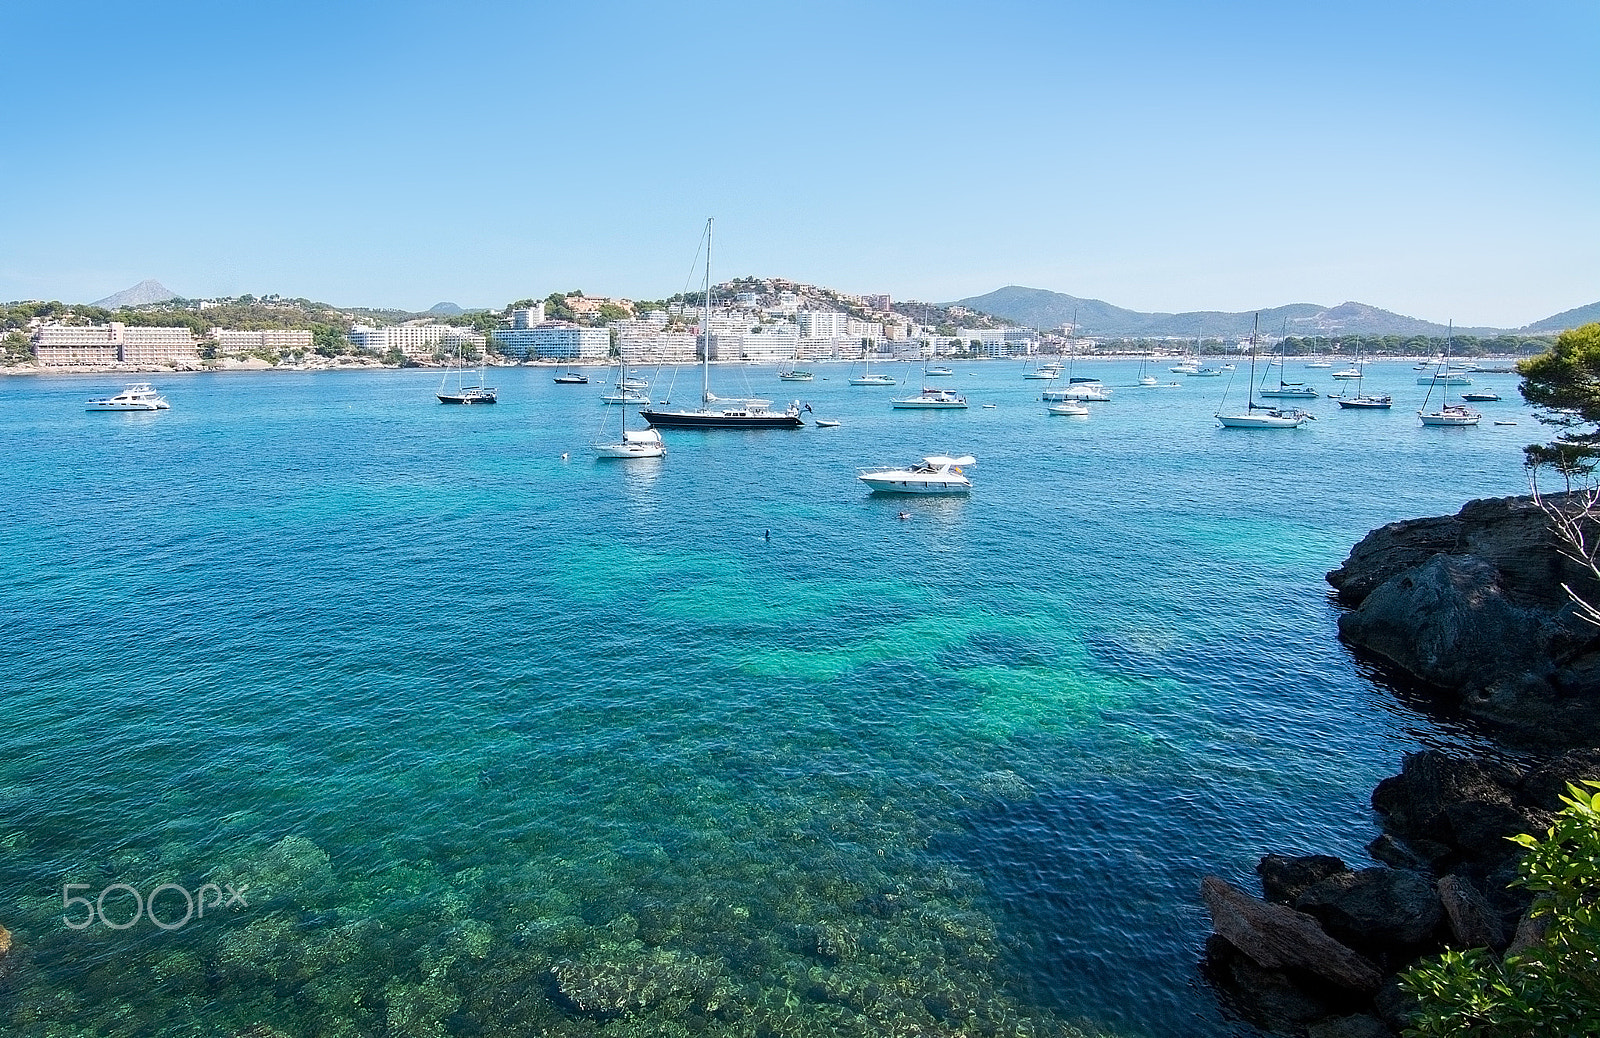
1549 985
1566 383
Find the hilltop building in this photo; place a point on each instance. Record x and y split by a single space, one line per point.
648 339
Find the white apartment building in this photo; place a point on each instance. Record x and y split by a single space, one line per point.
529 317
822 324
231 343
555 340
418 341
114 343
646 340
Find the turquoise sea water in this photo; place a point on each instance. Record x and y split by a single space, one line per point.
495 742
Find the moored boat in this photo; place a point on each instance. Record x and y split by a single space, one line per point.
135 396
935 474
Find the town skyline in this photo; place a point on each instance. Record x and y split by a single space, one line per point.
1161 157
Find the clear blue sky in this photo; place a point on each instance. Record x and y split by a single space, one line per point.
1438 159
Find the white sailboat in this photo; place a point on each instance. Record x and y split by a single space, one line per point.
1448 414
1362 401
1285 390
1261 416
633 443
867 378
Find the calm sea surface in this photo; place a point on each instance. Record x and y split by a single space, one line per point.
471 734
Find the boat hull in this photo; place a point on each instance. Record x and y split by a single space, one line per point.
1260 421
873 380
628 450
720 420
466 398
1450 419
1362 404
889 485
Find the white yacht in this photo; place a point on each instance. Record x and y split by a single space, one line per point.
935 474
1067 407
1091 391
932 399
135 396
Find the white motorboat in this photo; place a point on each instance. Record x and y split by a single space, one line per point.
1067 407
1205 373
626 396
1445 378
1186 368
1044 371
1091 392
795 375
932 399
939 372
1347 373
935 474
135 396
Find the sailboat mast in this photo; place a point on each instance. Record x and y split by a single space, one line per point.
705 355
1252 392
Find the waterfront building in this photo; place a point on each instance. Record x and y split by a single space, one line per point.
105 345
555 340
418 340
647 340
233 343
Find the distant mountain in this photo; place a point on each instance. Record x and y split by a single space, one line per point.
1038 307
1566 319
139 295
446 310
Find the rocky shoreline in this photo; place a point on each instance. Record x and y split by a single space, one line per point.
1469 614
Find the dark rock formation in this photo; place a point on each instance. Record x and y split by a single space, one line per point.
1359 1025
1473 606
1375 910
1275 936
1473 922
1283 878
1271 999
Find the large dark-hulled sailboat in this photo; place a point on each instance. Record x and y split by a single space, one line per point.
719 412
